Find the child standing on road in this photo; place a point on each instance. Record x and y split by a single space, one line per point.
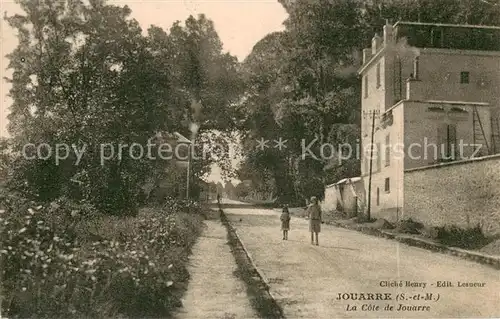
285 221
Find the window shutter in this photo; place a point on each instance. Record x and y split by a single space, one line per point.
400 78
416 68
378 75
367 164
366 86
442 137
398 89
394 79
464 77
387 149
452 141
379 157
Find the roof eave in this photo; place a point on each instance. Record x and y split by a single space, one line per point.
372 59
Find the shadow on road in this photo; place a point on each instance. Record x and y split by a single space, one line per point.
320 246
251 220
230 205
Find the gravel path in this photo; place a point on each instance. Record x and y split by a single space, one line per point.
214 291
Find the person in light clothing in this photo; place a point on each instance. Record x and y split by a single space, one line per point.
314 214
285 221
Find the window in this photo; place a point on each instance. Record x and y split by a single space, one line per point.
464 77
387 150
458 110
366 86
398 86
452 141
436 109
378 196
387 185
378 75
416 75
447 139
367 164
377 152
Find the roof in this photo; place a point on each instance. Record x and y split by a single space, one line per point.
353 179
181 138
447 25
382 49
345 180
451 102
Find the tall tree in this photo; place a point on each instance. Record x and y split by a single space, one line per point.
84 75
308 82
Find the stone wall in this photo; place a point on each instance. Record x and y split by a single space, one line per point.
464 194
329 204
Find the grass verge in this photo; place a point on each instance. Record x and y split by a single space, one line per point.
261 300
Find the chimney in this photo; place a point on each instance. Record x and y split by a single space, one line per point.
415 89
388 39
376 41
367 54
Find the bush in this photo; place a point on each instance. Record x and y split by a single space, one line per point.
409 226
66 261
181 205
468 238
382 224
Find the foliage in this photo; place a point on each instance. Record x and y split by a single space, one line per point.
242 191
467 238
66 266
85 76
302 88
473 12
5 159
229 189
409 226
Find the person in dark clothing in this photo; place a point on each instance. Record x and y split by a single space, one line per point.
285 221
314 214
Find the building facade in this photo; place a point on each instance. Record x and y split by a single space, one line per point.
430 95
344 196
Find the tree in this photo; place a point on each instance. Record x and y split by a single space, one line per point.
87 79
242 191
303 86
229 189
207 86
474 12
85 75
204 73
5 159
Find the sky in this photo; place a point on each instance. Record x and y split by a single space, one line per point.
240 25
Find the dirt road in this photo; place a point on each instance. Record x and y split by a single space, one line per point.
307 280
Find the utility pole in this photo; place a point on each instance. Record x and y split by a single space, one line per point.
368 211
188 177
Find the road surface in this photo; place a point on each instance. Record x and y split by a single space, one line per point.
306 279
